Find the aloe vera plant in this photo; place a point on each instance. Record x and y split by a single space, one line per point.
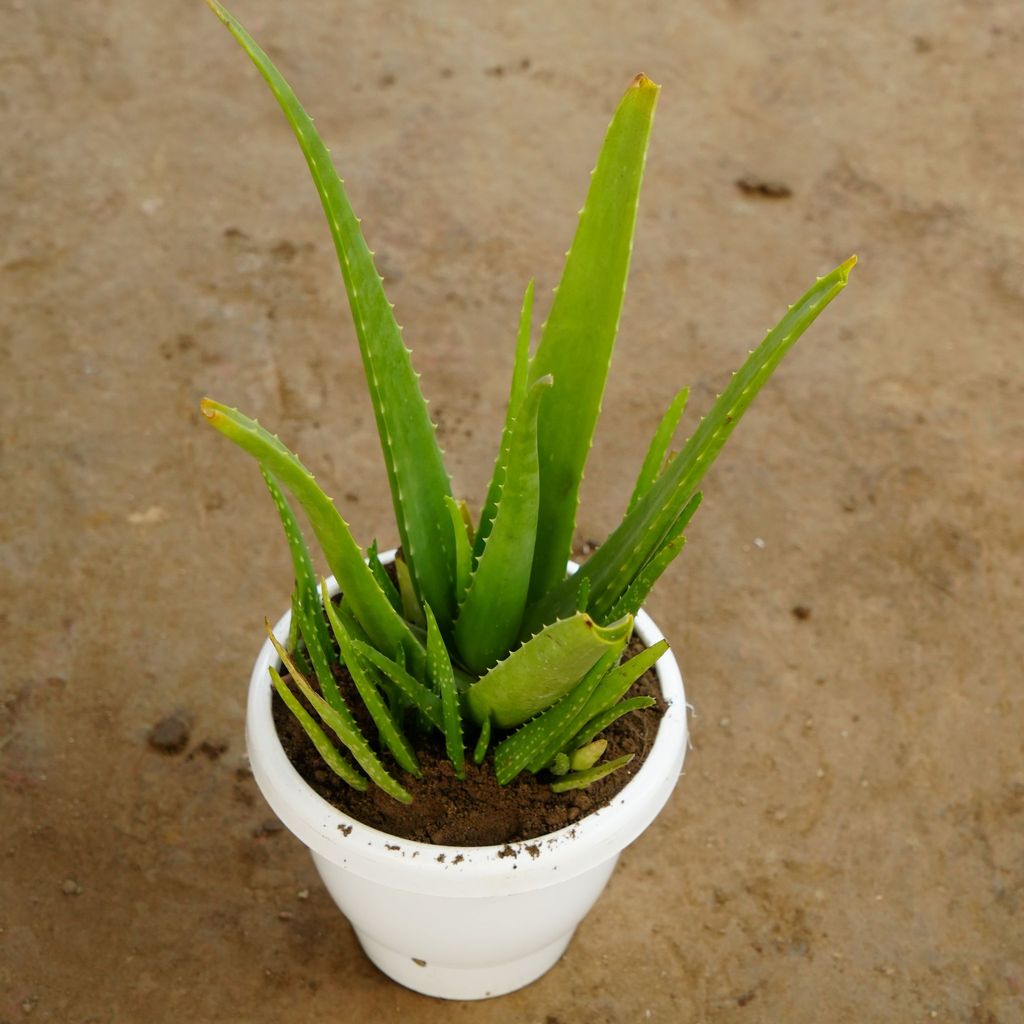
482 636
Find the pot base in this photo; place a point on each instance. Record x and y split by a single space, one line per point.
446 982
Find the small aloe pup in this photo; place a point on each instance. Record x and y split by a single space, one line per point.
482 635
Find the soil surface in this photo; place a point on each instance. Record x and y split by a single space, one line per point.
848 840
474 811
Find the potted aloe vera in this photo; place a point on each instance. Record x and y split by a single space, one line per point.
476 637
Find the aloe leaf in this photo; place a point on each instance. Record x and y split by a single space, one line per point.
617 683
491 614
641 532
583 596
580 780
483 741
383 579
544 669
343 555
411 609
600 722
560 765
633 596
419 696
463 549
337 762
656 453
391 734
534 744
517 393
343 725
412 457
439 668
577 340
295 636
586 756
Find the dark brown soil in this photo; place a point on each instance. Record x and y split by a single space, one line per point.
476 811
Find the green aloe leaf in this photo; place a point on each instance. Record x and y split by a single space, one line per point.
642 531
600 722
580 780
343 554
439 668
544 669
343 725
383 579
483 742
391 734
616 684
536 743
586 756
517 394
463 549
658 450
491 614
577 340
412 611
419 696
412 457
336 761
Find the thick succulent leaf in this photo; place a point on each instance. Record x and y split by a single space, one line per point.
425 700
412 457
391 734
517 393
343 725
439 668
614 605
600 722
343 554
491 614
616 684
537 742
412 611
643 529
577 341
658 450
544 669
384 581
580 780
336 761
463 549
587 756
483 742
560 765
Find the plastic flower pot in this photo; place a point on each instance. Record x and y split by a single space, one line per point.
465 922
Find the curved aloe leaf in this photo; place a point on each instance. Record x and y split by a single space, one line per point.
419 696
483 742
544 669
650 470
343 725
391 734
586 756
600 722
642 531
367 600
517 393
616 684
439 668
489 618
413 459
580 780
337 762
539 740
576 344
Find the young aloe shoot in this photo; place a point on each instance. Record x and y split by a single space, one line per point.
480 636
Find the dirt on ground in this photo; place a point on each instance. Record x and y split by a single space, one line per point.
847 842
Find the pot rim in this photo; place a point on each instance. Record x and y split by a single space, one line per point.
466 870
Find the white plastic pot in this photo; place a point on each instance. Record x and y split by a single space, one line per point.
465 922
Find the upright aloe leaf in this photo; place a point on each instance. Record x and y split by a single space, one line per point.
367 600
655 458
576 344
642 531
517 393
413 459
463 549
490 616
545 668
439 667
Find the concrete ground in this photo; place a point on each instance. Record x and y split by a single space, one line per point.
848 841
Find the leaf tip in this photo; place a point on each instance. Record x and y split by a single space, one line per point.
641 81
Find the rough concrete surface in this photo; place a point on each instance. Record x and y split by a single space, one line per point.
846 844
